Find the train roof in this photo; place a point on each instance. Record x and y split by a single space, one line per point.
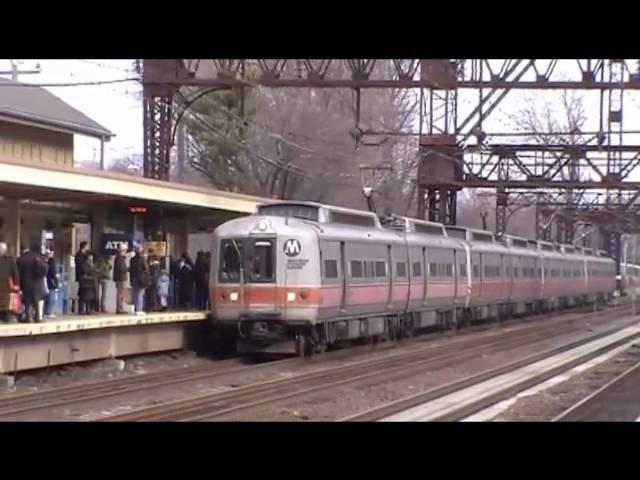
470 234
339 216
320 213
414 225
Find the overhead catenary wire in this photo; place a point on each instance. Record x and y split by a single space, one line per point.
70 84
307 173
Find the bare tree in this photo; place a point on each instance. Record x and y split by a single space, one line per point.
304 143
556 122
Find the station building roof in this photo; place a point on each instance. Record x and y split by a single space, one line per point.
36 106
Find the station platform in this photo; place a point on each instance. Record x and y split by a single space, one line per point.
75 338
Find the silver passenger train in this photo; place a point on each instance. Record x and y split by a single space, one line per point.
297 277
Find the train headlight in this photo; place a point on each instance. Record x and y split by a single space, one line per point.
234 296
291 296
262 226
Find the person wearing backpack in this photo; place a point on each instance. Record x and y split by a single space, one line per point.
34 271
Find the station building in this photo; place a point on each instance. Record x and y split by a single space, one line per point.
45 197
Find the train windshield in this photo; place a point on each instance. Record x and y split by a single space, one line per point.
231 255
262 261
244 260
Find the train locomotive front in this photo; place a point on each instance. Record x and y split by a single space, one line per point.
265 283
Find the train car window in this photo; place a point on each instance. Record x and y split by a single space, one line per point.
368 269
490 271
515 272
448 268
476 273
231 253
356 269
401 269
330 269
381 269
433 269
417 269
262 262
463 269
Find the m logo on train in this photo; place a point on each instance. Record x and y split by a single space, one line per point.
292 248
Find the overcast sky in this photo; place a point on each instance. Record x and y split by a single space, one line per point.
118 106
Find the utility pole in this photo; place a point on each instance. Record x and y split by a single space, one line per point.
15 70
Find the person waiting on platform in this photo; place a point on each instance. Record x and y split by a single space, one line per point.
201 274
162 283
88 291
140 279
33 272
120 272
207 262
151 295
186 282
103 271
80 258
9 286
53 282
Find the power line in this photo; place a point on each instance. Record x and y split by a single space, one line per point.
15 70
104 65
71 84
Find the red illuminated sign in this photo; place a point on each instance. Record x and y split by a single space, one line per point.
137 209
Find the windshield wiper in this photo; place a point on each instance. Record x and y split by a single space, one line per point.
241 261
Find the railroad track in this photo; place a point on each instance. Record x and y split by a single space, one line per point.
87 391
439 407
391 367
617 400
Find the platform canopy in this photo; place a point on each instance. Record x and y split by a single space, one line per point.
93 188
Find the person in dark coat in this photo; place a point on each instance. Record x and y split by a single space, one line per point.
21 263
80 261
88 291
120 274
200 273
33 272
103 272
9 282
186 281
140 279
151 294
207 263
174 270
52 284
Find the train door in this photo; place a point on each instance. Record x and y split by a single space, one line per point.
343 268
455 276
508 269
409 273
425 274
503 289
481 275
389 276
259 288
